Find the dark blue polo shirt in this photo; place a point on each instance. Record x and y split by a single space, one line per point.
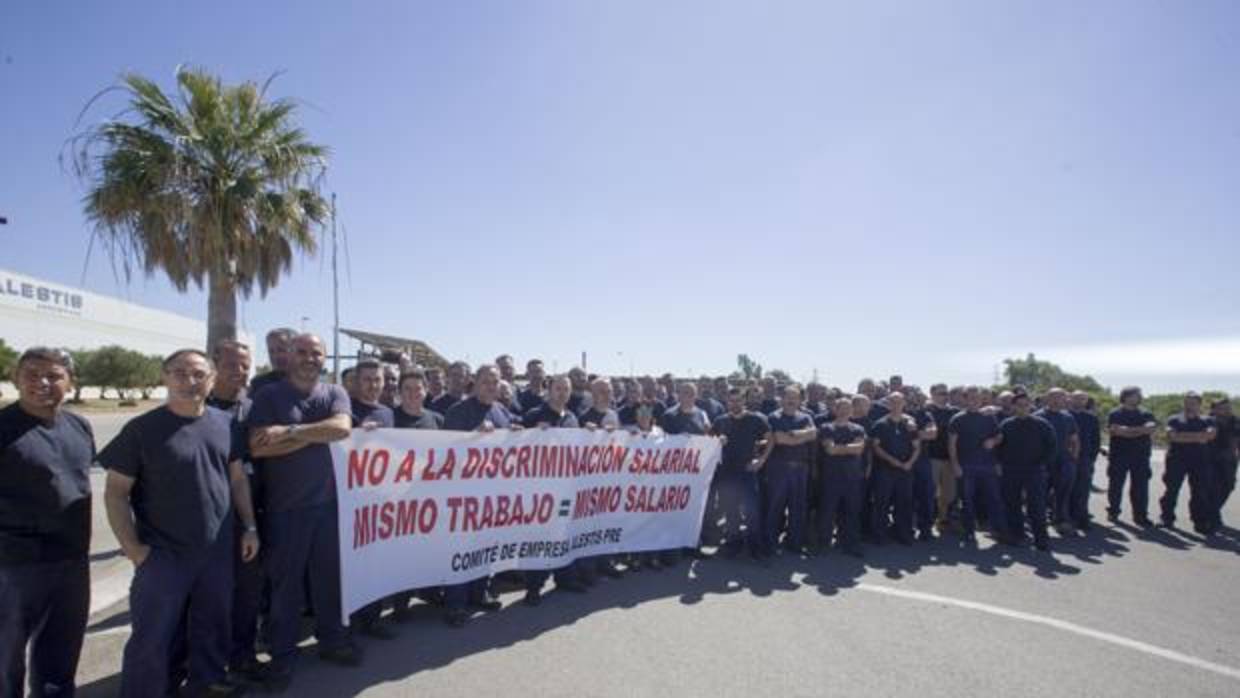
712 407
577 403
1223 447
528 399
877 411
262 381
443 403
1130 449
628 413
842 467
1064 425
800 454
676 422
305 477
1090 431
181 498
1028 443
769 406
45 505
379 414
1188 455
897 438
470 413
743 432
971 429
429 419
546 415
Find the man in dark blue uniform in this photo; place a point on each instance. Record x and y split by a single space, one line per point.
745 449
291 424
843 478
1089 431
232 370
174 476
412 414
45 457
944 473
787 471
647 396
973 436
478 412
1224 451
1027 448
457 383
894 438
532 395
1063 472
1131 430
923 469
553 414
1189 434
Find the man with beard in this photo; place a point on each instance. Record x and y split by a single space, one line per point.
1131 429
745 449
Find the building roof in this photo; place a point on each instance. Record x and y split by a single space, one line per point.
421 352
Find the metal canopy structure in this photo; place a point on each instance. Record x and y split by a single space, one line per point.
374 343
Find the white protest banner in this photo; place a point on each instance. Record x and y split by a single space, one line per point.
422 508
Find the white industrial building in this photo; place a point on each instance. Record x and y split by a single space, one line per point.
34 312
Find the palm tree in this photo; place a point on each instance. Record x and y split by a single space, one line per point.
215 184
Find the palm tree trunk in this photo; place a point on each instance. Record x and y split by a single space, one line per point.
221 309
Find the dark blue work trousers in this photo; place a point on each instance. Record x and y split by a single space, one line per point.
43 609
1024 497
980 485
787 484
738 500
302 546
893 493
180 606
1119 470
840 501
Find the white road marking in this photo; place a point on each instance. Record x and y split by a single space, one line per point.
1064 625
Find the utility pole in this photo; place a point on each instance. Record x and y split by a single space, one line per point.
335 302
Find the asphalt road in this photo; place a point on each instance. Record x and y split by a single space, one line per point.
1120 612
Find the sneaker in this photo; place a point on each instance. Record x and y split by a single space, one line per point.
533 597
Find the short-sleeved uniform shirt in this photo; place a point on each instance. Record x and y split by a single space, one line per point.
942 418
742 433
529 399
601 418
547 415
1223 447
877 411
45 505
428 419
181 498
470 413
379 414
800 454
674 421
971 430
712 407
305 477
628 413
1064 425
262 381
923 419
1133 449
896 436
1028 443
443 403
1188 455
1090 433
842 467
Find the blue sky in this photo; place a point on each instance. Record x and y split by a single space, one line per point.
856 188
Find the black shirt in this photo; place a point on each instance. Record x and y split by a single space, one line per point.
528 399
674 421
45 510
470 413
181 497
547 415
1223 446
799 454
896 436
971 430
379 414
842 467
1089 431
712 407
628 413
264 380
743 432
1133 448
1028 443
429 419
942 418
1188 454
